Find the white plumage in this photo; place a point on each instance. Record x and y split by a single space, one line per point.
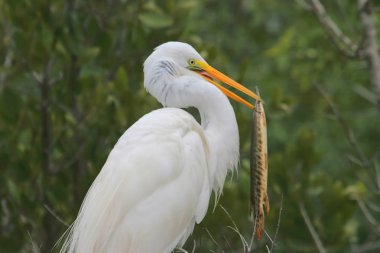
157 180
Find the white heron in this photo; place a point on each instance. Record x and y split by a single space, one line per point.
157 180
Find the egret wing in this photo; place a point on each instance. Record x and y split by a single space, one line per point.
154 184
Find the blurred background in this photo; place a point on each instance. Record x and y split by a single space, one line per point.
71 82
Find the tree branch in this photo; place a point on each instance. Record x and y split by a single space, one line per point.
369 246
370 218
274 241
55 215
370 47
311 228
365 162
341 41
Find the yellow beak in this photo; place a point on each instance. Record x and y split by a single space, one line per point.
213 73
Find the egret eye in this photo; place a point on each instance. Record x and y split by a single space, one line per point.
192 62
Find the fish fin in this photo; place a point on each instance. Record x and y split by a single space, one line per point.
267 207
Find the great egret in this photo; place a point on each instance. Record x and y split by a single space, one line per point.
157 180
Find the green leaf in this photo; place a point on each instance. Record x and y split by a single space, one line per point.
24 140
13 190
121 76
356 190
90 53
155 20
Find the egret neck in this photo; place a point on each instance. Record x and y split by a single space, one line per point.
221 130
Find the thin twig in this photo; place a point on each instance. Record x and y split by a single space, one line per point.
311 228
368 215
274 241
365 162
304 4
213 239
270 238
194 247
183 250
227 241
55 215
369 246
34 245
373 207
235 228
365 93
246 247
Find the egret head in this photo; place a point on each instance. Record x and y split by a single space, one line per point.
175 66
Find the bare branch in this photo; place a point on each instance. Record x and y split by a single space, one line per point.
311 228
370 47
365 162
373 207
368 215
55 215
235 228
185 251
341 41
35 248
369 246
274 241
304 4
213 239
367 48
227 241
365 93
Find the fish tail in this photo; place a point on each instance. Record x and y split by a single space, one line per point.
259 223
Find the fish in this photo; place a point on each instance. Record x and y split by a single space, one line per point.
259 168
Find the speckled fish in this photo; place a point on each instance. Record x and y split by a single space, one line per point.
259 168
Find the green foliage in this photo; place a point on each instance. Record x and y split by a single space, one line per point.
71 84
